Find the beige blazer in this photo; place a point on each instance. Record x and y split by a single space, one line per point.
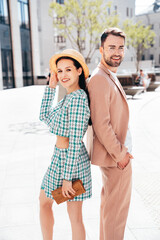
110 116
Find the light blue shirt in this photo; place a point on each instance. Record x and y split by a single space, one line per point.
128 141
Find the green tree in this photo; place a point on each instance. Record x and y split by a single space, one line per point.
140 37
82 22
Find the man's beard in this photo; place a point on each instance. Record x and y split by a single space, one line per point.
111 62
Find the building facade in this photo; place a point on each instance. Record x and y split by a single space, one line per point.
125 9
150 17
28 39
15 44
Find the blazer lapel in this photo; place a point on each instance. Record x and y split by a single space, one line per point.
117 83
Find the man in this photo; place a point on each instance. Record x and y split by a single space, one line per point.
111 136
142 80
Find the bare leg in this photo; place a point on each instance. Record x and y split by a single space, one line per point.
46 216
75 215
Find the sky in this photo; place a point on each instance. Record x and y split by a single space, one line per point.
143 4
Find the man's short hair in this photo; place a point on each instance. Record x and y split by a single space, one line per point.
112 31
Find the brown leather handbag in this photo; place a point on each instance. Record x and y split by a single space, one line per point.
76 185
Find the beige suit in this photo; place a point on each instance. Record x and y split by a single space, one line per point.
110 116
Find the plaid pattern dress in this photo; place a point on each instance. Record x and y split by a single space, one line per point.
69 119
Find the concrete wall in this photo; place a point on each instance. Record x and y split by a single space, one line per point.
16 43
34 39
45 35
122 8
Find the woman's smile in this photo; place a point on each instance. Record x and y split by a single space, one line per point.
65 80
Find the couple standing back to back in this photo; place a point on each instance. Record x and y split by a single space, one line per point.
112 144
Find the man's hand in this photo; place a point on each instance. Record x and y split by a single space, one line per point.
123 163
67 189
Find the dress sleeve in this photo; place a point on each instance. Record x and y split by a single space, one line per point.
47 104
78 113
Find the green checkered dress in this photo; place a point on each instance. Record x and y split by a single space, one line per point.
69 119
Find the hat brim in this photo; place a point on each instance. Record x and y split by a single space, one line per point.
53 60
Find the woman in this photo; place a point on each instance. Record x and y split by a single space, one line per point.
69 121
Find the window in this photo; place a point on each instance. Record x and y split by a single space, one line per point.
109 11
152 26
6 47
127 12
83 44
23 1
97 45
23 8
151 57
59 39
143 57
115 9
23 13
60 1
59 20
26 61
88 60
4 12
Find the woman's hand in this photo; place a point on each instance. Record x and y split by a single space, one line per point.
53 80
67 189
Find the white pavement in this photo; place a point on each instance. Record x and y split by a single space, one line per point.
26 147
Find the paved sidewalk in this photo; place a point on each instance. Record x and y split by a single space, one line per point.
26 147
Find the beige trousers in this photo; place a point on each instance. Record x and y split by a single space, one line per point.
115 201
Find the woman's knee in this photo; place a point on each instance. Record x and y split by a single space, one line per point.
74 210
44 201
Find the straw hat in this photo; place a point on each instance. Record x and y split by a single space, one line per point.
69 53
